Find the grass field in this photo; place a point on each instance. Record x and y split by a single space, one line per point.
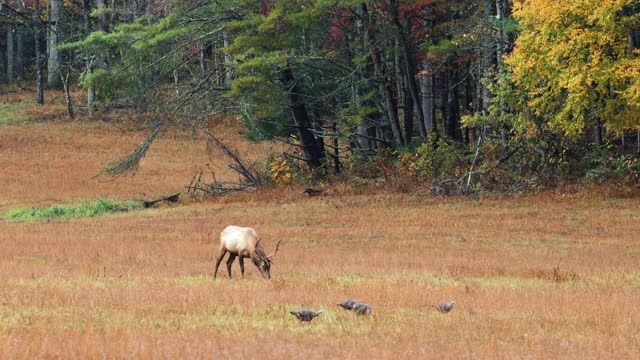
544 276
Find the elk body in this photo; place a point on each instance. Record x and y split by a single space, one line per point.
243 242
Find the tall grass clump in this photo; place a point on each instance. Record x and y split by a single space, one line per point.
82 209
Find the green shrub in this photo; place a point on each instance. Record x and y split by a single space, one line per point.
531 162
440 159
82 209
601 165
627 168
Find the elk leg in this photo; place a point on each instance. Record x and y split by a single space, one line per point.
222 253
232 258
241 261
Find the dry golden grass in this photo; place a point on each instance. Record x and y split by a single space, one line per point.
47 162
534 277
55 162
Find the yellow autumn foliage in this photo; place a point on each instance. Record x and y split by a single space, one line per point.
574 64
280 171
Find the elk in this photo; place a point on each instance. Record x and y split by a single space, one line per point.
243 242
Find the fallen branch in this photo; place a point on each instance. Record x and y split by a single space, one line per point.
171 198
131 162
249 174
250 177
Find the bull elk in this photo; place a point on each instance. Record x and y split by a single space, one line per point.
243 242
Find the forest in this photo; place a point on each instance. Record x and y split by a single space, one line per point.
458 96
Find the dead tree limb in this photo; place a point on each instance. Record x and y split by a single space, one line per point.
237 165
171 198
131 162
250 178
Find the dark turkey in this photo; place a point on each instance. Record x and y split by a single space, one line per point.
444 307
362 309
348 304
306 314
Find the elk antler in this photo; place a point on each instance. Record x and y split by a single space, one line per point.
258 251
277 247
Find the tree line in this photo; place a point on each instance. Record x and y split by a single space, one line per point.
533 86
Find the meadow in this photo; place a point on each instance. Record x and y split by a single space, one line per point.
552 275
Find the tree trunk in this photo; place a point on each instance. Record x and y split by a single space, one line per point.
488 58
407 112
382 78
405 106
135 9
3 56
452 122
149 12
53 62
468 102
313 146
501 14
91 94
634 39
598 131
597 123
366 129
86 17
427 82
205 49
337 167
112 15
65 85
428 103
39 61
218 61
366 138
227 60
203 61
176 83
102 18
409 67
443 88
20 52
10 53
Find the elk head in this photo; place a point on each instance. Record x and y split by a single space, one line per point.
263 261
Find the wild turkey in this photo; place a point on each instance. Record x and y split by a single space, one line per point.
362 309
348 304
444 307
306 314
